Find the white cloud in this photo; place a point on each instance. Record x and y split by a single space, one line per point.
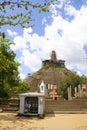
59 5
68 46
44 21
70 10
22 76
30 60
11 33
21 41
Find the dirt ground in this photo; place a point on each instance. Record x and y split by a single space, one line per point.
10 121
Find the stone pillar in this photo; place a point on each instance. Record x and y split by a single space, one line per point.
22 101
41 106
69 93
79 91
75 91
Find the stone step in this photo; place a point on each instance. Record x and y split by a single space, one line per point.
10 109
65 108
65 100
69 106
65 103
66 112
51 106
61 104
13 105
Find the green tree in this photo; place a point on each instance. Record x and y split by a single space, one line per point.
20 88
8 68
83 79
72 80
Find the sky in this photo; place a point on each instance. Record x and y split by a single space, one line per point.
64 30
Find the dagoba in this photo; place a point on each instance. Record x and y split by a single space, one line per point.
53 62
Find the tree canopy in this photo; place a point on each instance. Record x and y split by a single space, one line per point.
8 68
10 82
72 80
20 12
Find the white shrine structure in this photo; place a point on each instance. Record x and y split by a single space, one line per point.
33 103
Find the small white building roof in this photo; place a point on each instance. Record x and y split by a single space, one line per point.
31 94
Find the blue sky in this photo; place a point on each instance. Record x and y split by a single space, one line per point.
64 30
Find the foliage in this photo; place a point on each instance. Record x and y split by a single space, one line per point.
10 82
72 80
45 67
8 68
24 13
21 88
83 79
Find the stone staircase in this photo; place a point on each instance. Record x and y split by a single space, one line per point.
77 105
9 105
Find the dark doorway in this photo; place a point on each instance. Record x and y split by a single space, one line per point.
31 105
